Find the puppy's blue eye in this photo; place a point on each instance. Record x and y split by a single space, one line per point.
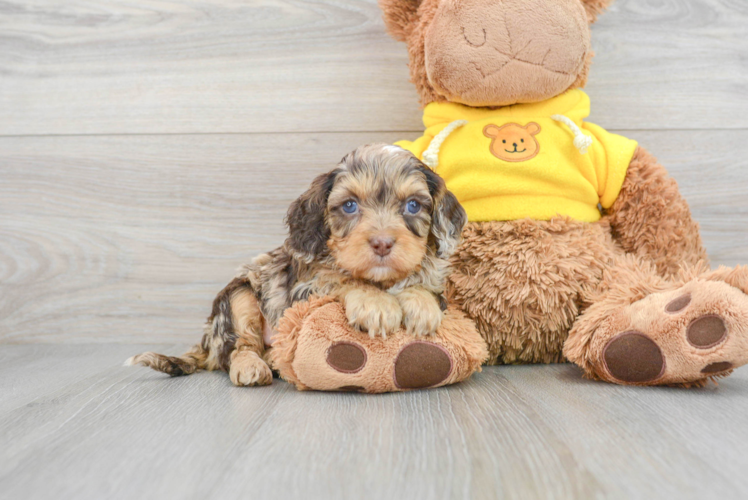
350 206
413 207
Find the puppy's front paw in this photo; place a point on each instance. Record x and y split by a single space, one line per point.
375 312
248 368
421 312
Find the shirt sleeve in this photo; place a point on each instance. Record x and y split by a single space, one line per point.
611 156
416 147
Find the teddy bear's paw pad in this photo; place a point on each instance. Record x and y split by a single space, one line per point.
346 357
716 368
633 357
420 365
351 388
679 304
706 332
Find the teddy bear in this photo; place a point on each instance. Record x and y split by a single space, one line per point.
579 246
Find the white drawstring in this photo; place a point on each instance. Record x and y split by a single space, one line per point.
581 142
431 155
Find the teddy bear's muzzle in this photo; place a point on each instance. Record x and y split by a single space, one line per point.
519 51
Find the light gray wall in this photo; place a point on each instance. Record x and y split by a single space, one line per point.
148 148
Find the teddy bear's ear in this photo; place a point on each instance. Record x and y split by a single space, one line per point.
491 131
595 7
399 17
532 128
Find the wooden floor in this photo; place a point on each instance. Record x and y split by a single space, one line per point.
149 147
74 424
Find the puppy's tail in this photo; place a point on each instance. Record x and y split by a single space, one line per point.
193 360
214 351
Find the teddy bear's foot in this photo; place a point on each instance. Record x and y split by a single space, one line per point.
315 348
685 336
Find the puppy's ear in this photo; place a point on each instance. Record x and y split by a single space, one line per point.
447 223
595 7
399 17
448 218
307 230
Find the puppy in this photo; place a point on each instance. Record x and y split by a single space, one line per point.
375 233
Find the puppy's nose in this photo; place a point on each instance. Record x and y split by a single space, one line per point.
381 245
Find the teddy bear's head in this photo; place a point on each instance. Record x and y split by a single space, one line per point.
494 52
513 142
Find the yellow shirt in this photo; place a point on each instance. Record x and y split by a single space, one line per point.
517 162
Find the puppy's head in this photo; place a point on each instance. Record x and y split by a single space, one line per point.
378 215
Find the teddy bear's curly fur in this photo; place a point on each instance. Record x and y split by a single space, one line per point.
629 298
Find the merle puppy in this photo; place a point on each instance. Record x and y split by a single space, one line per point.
375 233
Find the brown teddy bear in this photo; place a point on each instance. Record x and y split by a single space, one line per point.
579 246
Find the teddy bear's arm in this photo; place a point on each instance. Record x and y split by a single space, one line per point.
650 217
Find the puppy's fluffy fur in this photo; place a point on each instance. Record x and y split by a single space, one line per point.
376 233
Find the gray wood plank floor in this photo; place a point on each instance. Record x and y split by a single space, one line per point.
148 148
77 425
